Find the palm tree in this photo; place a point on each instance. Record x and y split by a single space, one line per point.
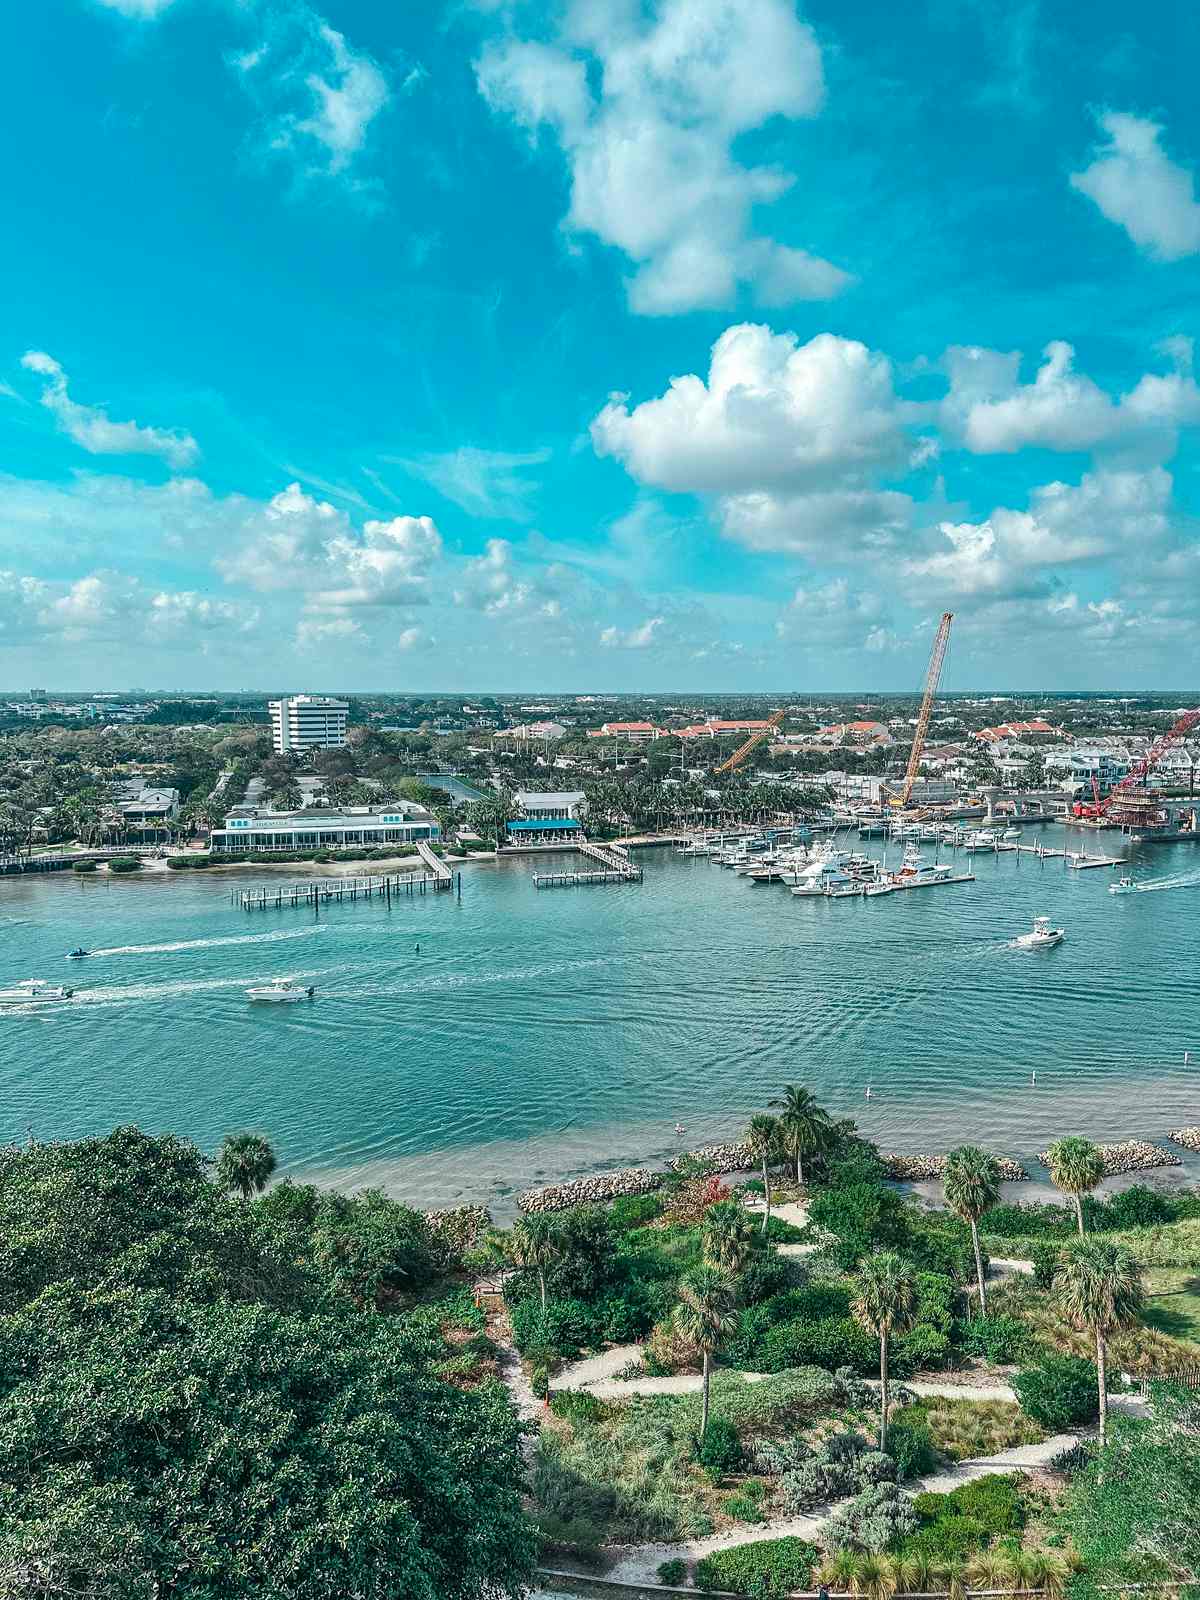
804 1125
971 1184
763 1139
246 1162
534 1242
704 1316
1099 1286
728 1235
1076 1167
886 1303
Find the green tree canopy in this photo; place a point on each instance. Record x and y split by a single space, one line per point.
184 1409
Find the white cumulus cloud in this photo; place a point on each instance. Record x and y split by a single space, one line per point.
1136 185
649 148
142 10
791 440
298 543
93 429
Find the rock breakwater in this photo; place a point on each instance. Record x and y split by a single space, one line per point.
1189 1138
920 1169
734 1157
1131 1155
583 1191
461 1227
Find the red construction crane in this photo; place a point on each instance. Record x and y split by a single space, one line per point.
1137 774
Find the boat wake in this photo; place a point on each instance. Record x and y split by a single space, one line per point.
208 944
1181 880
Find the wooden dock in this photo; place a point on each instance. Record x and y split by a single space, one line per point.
613 866
319 891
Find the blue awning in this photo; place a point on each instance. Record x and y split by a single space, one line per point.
542 824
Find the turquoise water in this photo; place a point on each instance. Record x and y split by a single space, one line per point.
541 1034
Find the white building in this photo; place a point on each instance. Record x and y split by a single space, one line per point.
253 828
308 722
560 805
1078 767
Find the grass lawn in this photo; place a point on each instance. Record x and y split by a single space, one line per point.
1173 1304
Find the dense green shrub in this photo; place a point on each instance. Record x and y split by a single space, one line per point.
763 1276
831 1342
1046 1257
745 1504
861 1217
844 1465
958 1525
1060 1392
922 1349
767 1569
1028 1221
83 866
373 1249
576 1405
719 1452
563 1330
911 1445
124 864
673 1573
635 1210
1138 1207
998 1339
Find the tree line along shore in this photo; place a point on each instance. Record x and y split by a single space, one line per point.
806 1379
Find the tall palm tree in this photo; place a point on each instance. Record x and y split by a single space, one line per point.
704 1316
535 1242
971 1184
763 1138
804 1125
1099 1286
1076 1167
885 1302
245 1163
728 1235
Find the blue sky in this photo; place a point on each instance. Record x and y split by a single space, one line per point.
660 344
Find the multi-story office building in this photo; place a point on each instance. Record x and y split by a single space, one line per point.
308 721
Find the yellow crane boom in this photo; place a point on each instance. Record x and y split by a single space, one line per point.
752 743
937 656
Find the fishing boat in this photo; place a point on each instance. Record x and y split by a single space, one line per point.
34 992
1042 936
280 990
1122 886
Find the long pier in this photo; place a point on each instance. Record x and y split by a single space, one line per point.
436 865
319 891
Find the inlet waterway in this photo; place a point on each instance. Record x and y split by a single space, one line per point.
541 1035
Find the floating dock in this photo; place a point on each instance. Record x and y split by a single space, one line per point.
318 891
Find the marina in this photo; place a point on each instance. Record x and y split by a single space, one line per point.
468 1048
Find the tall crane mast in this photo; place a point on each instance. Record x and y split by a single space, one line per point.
937 656
752 743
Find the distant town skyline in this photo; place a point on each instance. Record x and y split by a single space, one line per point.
652 346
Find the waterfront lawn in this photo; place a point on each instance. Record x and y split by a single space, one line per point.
1173 1304
1142 1349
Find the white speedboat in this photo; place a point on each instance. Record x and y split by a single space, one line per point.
980 840
1010 834
1043 935
280 990
34 992
884 886
1122 886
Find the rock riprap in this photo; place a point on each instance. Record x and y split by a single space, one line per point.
920 1169
735 1157
1131 1155
582 1191
1189 1138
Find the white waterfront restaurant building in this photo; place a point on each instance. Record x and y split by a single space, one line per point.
308 722
253 828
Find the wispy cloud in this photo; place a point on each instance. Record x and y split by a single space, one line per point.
484 483
92 427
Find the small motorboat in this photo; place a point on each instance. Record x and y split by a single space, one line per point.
1010 834
1122 886
34 992
1043 935
281 990
884 886
77 955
